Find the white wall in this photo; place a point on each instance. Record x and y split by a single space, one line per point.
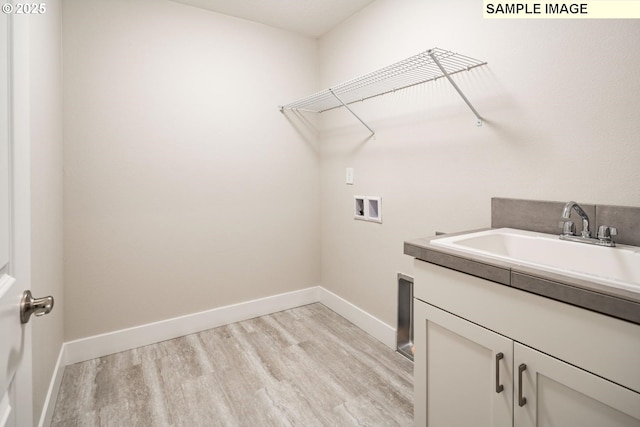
560 102
45 117
185 187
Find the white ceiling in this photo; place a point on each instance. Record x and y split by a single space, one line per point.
309 17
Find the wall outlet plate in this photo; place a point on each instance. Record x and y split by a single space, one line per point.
349 176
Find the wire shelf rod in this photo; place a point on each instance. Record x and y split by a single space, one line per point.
351 111
455 86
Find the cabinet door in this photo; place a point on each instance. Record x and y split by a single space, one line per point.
559 394
456 382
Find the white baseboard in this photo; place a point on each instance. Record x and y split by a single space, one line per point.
151 333
54 388
126 339
368 323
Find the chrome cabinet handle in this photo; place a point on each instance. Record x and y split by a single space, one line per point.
521 400
499 387
30 305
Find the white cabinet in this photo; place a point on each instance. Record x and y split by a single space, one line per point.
470 373
458 361
559 394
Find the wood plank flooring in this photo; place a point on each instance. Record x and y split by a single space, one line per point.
302 367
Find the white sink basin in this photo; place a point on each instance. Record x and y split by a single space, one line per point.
618 267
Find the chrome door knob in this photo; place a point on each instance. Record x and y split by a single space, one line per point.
37 306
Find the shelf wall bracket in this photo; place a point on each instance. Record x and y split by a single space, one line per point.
455 86
373 133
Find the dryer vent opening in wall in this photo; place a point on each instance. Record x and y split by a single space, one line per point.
404 330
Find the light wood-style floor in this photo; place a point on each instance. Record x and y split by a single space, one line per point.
301 367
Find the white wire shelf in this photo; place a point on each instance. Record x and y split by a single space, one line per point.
427 66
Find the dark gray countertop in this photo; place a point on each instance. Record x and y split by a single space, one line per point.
581 293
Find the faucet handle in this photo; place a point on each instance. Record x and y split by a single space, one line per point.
605 232
568 228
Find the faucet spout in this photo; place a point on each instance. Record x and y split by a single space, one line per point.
566 214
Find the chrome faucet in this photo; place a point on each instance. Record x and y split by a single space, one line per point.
605 233
566 214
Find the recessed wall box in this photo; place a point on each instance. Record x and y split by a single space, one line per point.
367 208
373 209
359 207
